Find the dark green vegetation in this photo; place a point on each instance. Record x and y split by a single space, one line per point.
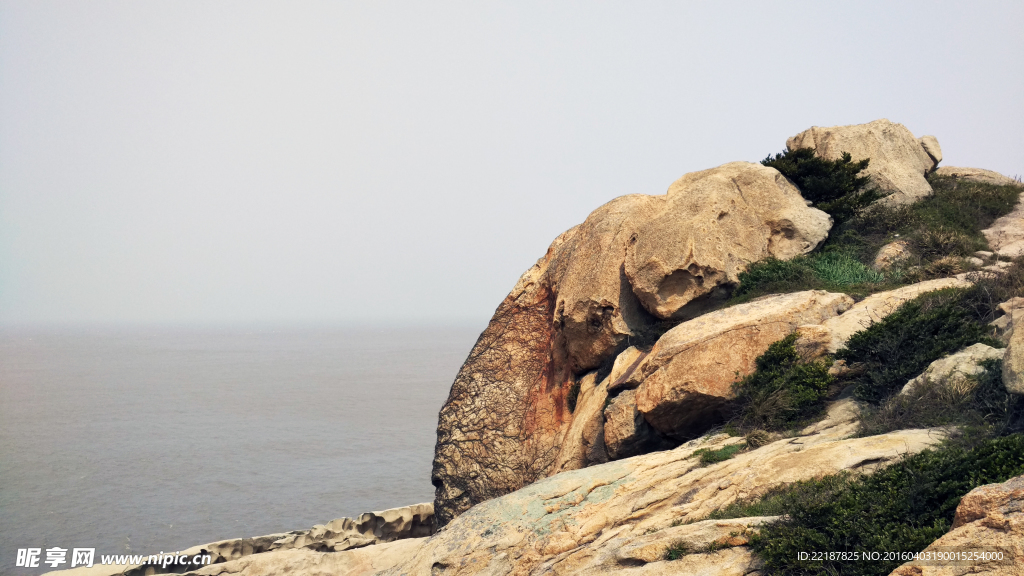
938 231
680 549
900 508
708 456
573 395
783 390
834 186
901 346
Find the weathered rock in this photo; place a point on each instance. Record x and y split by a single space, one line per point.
1006 235
652 547
989 517
626 433
414 521
300 549
506 416
891 254
1013 363
668 269
687 379
358 562
898 161
956 371
877 306
977 175
605 519
931 147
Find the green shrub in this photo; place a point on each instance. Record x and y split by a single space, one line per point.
831 185
837 269
708 456
904 507
678 550
899 347
782 390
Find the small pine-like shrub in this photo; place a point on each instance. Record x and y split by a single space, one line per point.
904 508
903 344
833 186
774 275
573 395
783 390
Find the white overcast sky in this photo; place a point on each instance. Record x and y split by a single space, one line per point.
226 162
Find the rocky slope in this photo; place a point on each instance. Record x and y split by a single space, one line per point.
582 435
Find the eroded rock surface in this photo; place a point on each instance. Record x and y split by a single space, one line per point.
1006 235
898 163
988 516
606 519
1013 363
977 175
687 379
634 260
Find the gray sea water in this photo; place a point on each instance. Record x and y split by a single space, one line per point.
149 440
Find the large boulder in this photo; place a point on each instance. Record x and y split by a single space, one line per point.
620 517
899 161
686 381
989 518
635 260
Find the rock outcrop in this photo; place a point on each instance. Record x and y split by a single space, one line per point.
956 371
635 260
977 175
1013 363
621 517
1006 235
989 518
899 161
687 379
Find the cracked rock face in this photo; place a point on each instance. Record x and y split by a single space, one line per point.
633 261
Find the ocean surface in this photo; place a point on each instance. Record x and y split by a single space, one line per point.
149 440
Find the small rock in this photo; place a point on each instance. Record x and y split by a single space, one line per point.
626 433
985 254
956 370
975 261
891 254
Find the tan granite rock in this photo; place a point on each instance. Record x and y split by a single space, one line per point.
620 517
891 254
956 371
898 161
506 419
931 147
1013 363
687 379
977 175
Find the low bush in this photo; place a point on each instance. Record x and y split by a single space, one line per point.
980 402
832 270
904 507
833 186
783 390
892 351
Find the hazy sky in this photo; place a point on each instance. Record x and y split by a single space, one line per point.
407 161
